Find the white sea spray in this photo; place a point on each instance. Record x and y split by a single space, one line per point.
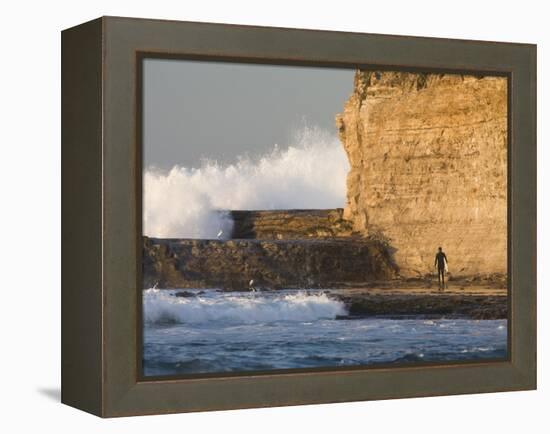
162 306
185 202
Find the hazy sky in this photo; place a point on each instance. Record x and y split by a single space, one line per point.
195 110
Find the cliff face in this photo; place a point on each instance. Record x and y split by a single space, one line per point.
290 224
192 263
428 167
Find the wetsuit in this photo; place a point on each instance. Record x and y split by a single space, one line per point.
440 260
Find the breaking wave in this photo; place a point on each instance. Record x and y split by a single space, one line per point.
185 202
162 306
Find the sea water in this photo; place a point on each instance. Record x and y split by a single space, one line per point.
214 331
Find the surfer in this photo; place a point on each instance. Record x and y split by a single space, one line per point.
441 264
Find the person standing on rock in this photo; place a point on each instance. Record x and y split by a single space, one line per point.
441 264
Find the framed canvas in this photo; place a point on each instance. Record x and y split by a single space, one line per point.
258 216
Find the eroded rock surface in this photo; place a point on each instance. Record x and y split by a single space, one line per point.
290 224
436 305
272 264
428 167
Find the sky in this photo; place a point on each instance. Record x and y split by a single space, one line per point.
195 110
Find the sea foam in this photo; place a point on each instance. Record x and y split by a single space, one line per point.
162 306
185 202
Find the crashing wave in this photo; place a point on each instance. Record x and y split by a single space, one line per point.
162 306
185 202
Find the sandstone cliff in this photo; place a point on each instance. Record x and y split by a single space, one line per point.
290 224
428 167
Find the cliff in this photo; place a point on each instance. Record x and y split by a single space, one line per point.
429 167
290 224
230 265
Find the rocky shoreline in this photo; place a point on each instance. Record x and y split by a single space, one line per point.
478 299
473 297
480 305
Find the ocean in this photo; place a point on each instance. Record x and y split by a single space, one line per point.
216 332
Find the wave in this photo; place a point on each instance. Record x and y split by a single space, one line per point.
185 202
162 306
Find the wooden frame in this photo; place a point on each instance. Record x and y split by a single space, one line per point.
101 212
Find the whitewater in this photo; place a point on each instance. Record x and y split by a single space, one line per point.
211 331
185 202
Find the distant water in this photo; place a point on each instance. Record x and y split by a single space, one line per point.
219 332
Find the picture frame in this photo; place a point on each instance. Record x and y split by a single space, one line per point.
101 215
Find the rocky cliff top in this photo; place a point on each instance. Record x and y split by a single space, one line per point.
290 224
